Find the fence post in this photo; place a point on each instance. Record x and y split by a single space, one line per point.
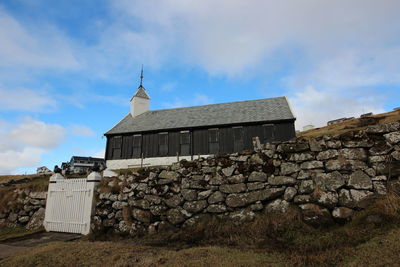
92 181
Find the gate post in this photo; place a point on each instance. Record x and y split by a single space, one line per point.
92 181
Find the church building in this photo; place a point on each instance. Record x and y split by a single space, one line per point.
160 137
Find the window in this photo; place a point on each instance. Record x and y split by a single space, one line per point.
269 133
238 142
185 143
137 146
163 144
213 141
117 147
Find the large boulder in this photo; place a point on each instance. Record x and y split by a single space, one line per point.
236 200
229 170
353 153
256 159
355 198
173 201
236 179
316 145
301 157
293 147
142 215
281 180
306 186
242 216
257 177
380 148
216 208
329 181
328 154
175 216
195 206
36 219
168 175
189 194
289 168
309 165
232 188
345 165
326 199
266 194
290 193
38 195
393 138
277 206
342 214
216 197
360 180
315 215
139 203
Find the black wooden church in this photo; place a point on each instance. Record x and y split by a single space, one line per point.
198 130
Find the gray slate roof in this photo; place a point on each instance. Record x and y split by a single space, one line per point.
141 92
269 109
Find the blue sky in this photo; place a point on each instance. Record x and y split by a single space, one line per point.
69 68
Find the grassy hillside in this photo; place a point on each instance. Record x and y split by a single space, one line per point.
352 125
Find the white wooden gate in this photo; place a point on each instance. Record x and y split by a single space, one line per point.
70 203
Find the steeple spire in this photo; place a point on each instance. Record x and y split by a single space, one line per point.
141 77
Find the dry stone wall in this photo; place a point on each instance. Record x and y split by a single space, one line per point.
25 208
328 179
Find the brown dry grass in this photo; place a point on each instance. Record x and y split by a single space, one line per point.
86 253
352 125
21 178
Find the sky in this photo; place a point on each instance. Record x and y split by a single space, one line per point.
68 68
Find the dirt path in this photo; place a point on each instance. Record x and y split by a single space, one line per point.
11 246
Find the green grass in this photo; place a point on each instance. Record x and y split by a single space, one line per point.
15 232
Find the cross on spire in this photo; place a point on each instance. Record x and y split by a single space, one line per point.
141 77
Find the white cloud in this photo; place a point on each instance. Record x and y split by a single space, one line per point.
82 130
26 100
37 134
33 45
23 144
230 36
315 107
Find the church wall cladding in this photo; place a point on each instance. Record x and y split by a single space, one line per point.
197 141
327 179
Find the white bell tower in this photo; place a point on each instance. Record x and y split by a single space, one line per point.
140 101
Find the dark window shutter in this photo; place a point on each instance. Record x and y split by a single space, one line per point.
137 146
117 147
213 141
238 142
269 133
163 144
185 143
